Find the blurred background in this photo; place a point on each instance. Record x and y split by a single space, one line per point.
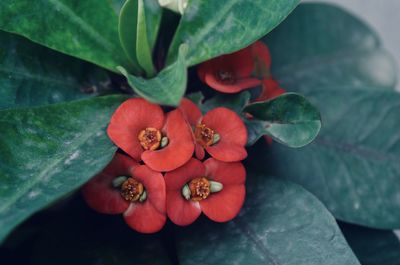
383 16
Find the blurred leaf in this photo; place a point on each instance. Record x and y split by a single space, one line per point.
309 51
289 119
167 88
84 29
280 223
31 75
47 152
372 246
353 165
213 28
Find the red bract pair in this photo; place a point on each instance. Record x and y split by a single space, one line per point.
142 195
143 131
233 72
220 132
135 190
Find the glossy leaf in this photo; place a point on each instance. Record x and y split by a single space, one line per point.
372 246
289 119
281 223
47 152
31 75
353 166
167 88
309 51
84 29
213 28
235 102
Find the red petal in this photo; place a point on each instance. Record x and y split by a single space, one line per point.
180 210
261 51
129 119
154 184
199 152
190 111
270 89
241 61
226 173
237 86
268 139
223 206
179 149
232 131
144 217
224 151
99 193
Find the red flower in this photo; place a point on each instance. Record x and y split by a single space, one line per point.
135 190
229 73
215 188
141 130
221 132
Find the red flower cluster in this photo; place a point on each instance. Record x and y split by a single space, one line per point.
159 176
234 72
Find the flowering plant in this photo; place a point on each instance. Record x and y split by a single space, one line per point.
188 131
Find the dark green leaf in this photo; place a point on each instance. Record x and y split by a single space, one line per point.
197 97
47 152
353 166
320 45
31 75
289 119
84 29
212 28
372 246
281 223
167 88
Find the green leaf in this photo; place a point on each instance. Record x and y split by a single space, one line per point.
289 119
143 49
310 51
47 152
31 75
102 239
372 246
280 223
353 166
167 88
139 23
84 29
213 28
235 102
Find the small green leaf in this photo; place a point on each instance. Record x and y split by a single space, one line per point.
235 102
167 88
372 246
280 223
127 28
32 75
347 53
84 29
289 119
47 152
139 23
143 49
212 28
